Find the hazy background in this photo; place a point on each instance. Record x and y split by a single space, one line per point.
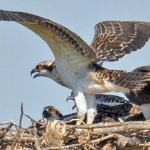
21 50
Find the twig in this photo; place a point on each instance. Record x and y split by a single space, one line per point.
7 129
21 115
64 147
124 128
18 139
123 140
143 125
72 120
35 136
37 147
32 119
13 144
7 140
103 138
120 120
4 123
34 129
144 144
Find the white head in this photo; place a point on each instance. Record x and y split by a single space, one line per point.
45 68
48 69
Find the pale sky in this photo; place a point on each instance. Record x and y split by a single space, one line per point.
21 50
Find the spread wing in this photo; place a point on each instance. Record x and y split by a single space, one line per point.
65 44
114 39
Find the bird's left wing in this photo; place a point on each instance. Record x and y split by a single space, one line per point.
65 44
114 39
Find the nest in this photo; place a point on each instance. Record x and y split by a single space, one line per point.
55 135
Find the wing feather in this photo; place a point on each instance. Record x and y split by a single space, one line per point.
63 42
114 39
138 81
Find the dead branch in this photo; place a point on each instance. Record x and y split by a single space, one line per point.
136 124
34 122
21 115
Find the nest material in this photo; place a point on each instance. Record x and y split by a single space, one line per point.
59 135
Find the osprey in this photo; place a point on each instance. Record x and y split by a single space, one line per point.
51 113
76 61
138 81
106 106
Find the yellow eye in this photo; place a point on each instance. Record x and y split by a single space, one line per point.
40 67
54 110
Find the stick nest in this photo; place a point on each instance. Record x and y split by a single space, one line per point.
55 135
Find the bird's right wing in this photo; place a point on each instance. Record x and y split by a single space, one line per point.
65 44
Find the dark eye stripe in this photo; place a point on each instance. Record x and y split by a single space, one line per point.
49 68
40 67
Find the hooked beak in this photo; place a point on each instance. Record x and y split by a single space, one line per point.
33 71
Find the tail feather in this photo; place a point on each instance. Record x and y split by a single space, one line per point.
142 69
140 91
134 80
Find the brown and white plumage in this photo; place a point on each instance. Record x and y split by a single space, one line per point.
107 106
114 39
141 88
137 82
75 60
118 108
51 113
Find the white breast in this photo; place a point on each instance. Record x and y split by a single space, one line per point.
110 86
93 89
71 78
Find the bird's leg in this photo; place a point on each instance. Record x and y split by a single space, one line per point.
146 110
91 108
80 105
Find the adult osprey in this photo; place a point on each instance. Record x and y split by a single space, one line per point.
138 81
76 61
